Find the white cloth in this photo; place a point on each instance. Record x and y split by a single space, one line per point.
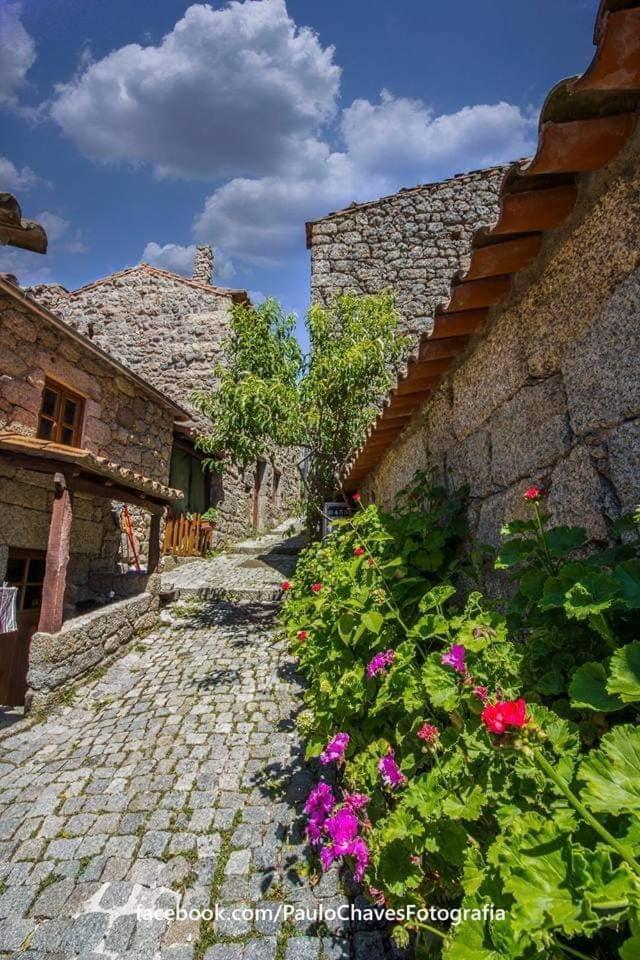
8 609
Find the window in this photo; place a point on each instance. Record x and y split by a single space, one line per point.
275 486
60 415
25 570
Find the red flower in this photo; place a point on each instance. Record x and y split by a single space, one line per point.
428 733
316 587
505 713
286 585
356 497
302 634
358 551
534 494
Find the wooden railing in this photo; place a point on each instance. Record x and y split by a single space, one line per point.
187 536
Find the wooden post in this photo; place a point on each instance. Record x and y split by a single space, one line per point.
55 575
154 543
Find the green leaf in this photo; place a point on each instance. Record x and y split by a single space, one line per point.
513 552
345 626
564 540
594 593
627 576
624 670
441 684
373 621
588 689
611 775
397 868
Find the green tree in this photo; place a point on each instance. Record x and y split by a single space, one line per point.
269 394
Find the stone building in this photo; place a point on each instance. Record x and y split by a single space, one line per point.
412 242
79 432
532 370
171 330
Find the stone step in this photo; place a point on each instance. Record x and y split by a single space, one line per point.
265 594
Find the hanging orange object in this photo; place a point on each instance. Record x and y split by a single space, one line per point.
127 526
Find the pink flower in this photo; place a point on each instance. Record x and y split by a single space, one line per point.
391 774
335 749
356 801
377 896
360 851
327 856
320 800
356 497
342 828
497 717
286 585
316 587
482 693
358 551
303 634
428 733
455 658
534 494
380 663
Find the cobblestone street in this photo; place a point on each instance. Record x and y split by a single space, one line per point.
174 779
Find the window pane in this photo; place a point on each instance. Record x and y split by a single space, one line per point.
15 570
66 437
70 412
36 570
45 429
49 398
32 598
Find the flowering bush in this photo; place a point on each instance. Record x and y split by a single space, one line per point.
496 752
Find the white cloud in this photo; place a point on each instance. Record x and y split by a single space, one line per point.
179 259
11 178
226 92
17 52
394 143
55 225
29 268
406 137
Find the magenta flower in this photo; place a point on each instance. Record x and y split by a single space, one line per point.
380 663
342 828
391 774
356 801
320 801
327 857
482 693
314 832
455 658
360 851
335 749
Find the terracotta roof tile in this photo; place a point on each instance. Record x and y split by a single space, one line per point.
584 123
18 232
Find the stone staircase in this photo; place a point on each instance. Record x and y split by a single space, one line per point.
251 571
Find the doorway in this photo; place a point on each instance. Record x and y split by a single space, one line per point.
25 570
258 495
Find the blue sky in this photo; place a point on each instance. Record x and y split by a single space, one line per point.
133 130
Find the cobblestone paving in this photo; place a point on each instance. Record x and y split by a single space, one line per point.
175 779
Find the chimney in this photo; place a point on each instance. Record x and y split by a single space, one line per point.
203 264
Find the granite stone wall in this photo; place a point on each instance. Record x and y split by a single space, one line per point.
120 423
86 642
550 392
171 331
412 242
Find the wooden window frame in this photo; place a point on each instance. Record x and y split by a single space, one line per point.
16 553
63 393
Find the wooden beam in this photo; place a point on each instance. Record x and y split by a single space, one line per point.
154 543
441 349
55 575
114 492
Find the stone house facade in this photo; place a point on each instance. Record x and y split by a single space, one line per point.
412 242
171 330
541 378
80 435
